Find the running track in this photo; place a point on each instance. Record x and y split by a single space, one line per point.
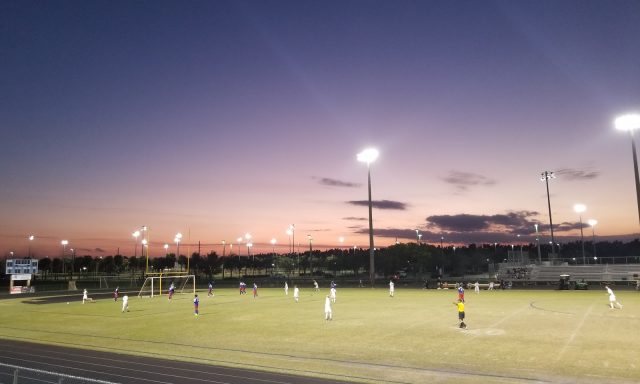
127 369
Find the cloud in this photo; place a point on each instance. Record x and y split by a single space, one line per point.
352 218
511 222
577 174
464 180
100 250
567 226
381 204
338 183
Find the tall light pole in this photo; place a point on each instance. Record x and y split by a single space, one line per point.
73 261
247 237
166 249
538 244
418 236
579 208
177 240
546 175
292 228
592 223
64 246
253 262
224 247
288 232
135 247
310 253
630 123
273 246
368 156
31 237
239 240
144 232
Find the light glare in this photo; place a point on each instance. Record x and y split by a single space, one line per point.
368 155
627 122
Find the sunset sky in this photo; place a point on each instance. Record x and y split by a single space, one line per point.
218 118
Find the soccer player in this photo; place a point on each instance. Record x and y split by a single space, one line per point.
328 314
490 286
296 293
125 303
332 294
391 288
172 289
476 287
210 289
315 286
286 289
196 303
115 294
612 298
84 296
255 290
461 292
460 305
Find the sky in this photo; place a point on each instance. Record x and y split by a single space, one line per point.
218 118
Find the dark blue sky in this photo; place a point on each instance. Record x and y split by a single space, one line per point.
225 116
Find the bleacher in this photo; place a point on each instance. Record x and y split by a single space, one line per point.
551 273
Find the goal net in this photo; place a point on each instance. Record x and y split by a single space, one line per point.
159 285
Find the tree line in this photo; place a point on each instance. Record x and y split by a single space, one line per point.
420 260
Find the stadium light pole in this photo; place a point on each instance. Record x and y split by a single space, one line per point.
177 240
253 258
593 223
144 232
418 236
546 175
310 253
288 232
579 208
368 156
224 247
73 261
239 241
538 244
630 123
135 247
64 246
166 249
31 237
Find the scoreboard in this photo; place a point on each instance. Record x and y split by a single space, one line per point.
21 266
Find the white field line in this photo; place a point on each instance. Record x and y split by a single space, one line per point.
574 333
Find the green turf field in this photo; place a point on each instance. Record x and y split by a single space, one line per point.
512 336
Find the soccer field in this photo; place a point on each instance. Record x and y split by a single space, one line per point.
512 336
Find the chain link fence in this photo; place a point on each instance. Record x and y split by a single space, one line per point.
14 374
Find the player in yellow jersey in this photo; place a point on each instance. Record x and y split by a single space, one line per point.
460 305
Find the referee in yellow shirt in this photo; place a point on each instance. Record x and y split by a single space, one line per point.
460 305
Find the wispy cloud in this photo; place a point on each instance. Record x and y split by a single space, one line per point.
465 180
337 183
381 204
577 174
351 218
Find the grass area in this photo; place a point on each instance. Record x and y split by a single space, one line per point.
512 336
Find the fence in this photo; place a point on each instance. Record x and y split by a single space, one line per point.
13 374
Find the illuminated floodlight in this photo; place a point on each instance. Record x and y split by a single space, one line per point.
627 122
368 155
